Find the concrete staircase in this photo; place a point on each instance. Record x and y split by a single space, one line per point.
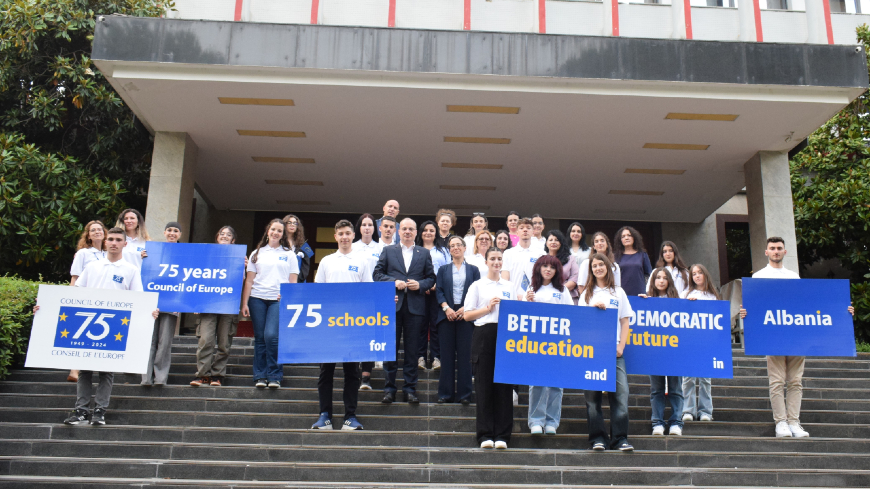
239 436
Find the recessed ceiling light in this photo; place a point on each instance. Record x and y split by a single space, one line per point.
303 202
281 159
472 166
284 102
619 211
483 109
473 207
271 134
653 171
295 182
636 192
696 147
682 116
466 187
454 139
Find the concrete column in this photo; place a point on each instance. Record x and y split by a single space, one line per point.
817 31
770 206
746 12
678 15
611 12
170 190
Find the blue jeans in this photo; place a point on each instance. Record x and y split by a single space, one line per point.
264 315
618 411
545 406
657 400
704 404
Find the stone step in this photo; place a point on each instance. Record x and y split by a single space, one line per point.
422 421
397 438
607 468
641 412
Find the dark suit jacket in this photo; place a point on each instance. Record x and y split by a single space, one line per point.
391 267
444 286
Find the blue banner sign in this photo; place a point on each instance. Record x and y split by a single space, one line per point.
331 323
554 345
191 277
803 317
92 329
679 337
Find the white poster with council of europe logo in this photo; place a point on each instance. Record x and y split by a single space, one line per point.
102 330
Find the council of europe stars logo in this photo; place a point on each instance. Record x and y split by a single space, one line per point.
92 329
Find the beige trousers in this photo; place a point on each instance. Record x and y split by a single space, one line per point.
785 375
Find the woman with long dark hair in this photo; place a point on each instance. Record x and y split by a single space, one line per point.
271 264
296 237
557 246
633 261
670 260
600 244
577 237
545 403
503 240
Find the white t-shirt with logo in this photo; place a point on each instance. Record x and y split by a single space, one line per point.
132 253
770 272
519 262
273 268
549 295
104 274
482 291
83 258
341 268
371 252
701 295
614 299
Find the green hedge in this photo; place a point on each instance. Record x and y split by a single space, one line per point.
17 298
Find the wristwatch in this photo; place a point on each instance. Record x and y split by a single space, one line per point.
445 308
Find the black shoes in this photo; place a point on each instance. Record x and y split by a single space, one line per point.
465 402
389 397
442 400
78 416
99 417
411 399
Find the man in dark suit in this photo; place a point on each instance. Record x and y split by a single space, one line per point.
410 267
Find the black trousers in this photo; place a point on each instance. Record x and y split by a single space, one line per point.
455 339
408 326
351 387
429 342
495 402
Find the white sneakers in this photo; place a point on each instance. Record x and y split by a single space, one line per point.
688 417
706 417
500 445
516 399
782 430
659 430
421 363
797 430
537 430
486 444
675 430
436 364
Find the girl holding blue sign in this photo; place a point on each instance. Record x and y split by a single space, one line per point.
602 292
160 358
273 263
545 403
662 286
215 330
700 288
495 416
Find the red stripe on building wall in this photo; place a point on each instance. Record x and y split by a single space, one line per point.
687 8
828 27
542 16
238 14
391 20
466 16
614 4
315 5
759 36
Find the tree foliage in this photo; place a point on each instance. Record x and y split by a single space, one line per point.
831 187
70 146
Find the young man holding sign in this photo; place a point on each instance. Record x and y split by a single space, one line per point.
341 267
785 372
111 272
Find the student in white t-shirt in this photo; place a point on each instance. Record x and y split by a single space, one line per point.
538 238
519 260
271 264
545 403
367 247
600 244
701 407
662 286
670 259
90 248
603 293
343 266
387 231
785 373
495 416
111 272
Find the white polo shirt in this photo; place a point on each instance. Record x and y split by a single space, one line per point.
583 276
482 291
132 253
701 295
341 268
83 258
519 262
540 243
614 299
273 268
770 272
137 240
371 252
480 262
549 295
104 274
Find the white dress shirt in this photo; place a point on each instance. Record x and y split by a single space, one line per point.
482 291
407 255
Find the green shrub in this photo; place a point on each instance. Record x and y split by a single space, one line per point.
17 298
863 347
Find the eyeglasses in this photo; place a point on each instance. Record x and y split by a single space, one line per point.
292 223
226 235
456 246
484 238
478 214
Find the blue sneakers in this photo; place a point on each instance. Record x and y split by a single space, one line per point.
323 423
352 424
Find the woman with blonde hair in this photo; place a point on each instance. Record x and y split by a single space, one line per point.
133 224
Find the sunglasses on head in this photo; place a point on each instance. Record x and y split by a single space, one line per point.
478 214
